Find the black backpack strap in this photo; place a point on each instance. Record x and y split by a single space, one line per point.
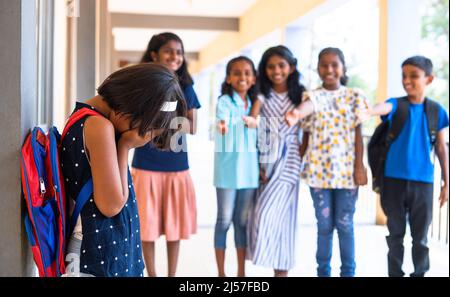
399 119
432 113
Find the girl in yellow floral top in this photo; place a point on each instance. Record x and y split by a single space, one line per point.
333 161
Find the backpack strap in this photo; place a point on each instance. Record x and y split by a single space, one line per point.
432 113
82 198
88 187
399 119
76 116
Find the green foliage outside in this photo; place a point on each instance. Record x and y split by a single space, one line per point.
435 33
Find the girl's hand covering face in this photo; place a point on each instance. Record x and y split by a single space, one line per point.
132 139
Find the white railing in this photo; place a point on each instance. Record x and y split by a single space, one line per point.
439 229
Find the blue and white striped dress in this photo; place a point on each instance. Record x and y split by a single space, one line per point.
272 224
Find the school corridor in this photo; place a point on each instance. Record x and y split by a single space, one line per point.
56 52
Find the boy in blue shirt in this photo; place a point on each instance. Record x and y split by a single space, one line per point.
407 192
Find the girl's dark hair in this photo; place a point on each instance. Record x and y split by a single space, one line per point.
154 45
295 88
138 92
227 89
340 54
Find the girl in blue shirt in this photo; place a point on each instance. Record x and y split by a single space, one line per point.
236 169
164 188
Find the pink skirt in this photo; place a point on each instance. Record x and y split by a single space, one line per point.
166 204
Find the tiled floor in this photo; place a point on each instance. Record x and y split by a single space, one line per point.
197 255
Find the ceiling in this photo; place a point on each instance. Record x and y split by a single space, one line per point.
128 39
218 8
136 39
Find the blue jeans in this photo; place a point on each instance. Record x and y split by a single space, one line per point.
334 209
232 206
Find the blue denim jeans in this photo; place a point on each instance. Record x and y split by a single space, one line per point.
334 209
232 206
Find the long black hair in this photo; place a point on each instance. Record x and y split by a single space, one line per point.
159 40
295 88
227 89
335 51
139 92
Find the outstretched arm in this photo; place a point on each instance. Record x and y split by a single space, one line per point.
380 109
251 120
302 111
441 152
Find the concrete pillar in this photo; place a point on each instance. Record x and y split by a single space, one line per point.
114 56
18 82
403 40
104 38
85 51
400 35
45 58
60 54
383 52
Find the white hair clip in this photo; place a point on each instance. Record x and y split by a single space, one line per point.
169 106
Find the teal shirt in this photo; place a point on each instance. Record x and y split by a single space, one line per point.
235 157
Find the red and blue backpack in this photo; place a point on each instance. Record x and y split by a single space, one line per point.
46 219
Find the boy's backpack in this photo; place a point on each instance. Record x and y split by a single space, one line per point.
46 219
386 133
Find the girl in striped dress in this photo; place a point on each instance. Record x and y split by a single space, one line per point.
272 223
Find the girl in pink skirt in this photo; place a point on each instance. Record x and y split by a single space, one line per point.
164 188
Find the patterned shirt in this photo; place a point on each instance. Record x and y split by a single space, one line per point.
330 157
